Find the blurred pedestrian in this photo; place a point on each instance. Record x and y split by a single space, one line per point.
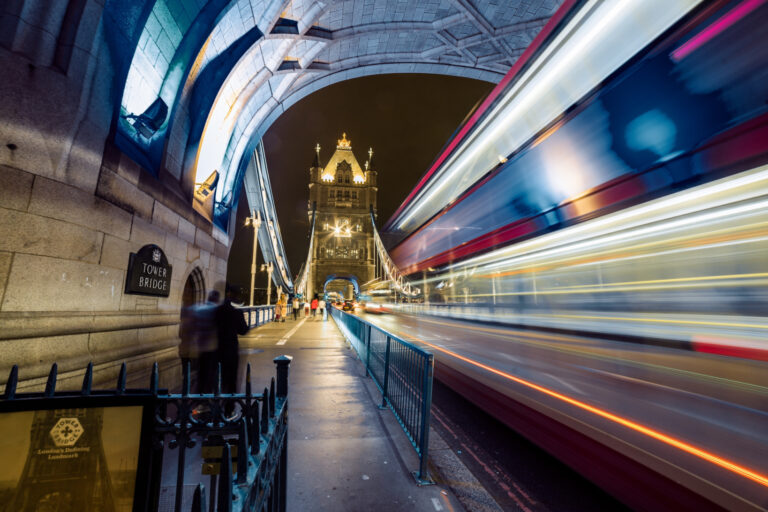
306 309
282 304
313 305
321 307
230 323
207 340
188 351
295 305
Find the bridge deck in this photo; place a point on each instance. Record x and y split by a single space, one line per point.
344 453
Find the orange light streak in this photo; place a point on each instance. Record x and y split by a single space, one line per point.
671 441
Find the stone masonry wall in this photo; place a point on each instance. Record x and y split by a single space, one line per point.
72 209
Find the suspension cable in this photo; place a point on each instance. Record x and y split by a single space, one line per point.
400 282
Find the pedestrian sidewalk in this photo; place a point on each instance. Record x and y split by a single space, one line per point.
344 454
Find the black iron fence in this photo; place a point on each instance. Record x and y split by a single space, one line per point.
239 441
403 373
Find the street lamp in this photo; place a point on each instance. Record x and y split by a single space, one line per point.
255 221
268 267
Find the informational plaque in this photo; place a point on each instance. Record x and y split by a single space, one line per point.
148 272
72 459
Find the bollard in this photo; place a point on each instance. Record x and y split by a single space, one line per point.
283 363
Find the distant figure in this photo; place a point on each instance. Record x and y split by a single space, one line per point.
314 306
230 323
295 305
306 309
321 307
276 317
282 305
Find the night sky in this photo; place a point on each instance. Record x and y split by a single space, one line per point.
405 118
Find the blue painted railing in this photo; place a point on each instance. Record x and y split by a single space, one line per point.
403 373
259 315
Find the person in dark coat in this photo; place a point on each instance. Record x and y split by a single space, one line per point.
230 323
207 332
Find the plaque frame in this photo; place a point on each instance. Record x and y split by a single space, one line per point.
143 488
129 273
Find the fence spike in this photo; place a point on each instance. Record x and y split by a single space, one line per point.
225 480
218 379
185 386
265 413
248 381
11 383
242 452
255 423
272 397
121 379
87 380
154 379
50 386
198 499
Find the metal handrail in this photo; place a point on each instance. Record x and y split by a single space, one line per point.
403 372
258 315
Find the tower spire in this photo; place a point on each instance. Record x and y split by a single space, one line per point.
316 163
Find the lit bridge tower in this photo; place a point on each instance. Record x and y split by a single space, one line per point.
342 193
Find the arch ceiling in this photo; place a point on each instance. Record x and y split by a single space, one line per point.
226 69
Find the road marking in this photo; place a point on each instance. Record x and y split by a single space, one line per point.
436 504
284 339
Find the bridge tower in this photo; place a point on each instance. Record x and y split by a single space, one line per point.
342 192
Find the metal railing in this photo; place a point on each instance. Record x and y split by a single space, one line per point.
403 373
254 425
258 315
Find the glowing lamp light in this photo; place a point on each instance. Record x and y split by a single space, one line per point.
359 179
327 177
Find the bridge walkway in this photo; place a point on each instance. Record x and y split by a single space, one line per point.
344 453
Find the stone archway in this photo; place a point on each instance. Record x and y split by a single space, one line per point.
352 279
194 289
